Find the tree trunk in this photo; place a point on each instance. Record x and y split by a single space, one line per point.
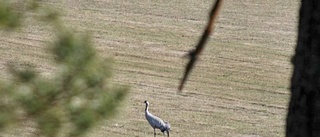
303 117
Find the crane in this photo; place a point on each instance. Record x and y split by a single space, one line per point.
156 122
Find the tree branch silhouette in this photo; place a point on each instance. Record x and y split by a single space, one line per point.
195 53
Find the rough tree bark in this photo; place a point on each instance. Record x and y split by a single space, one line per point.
303 117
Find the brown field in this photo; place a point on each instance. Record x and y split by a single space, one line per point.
238 88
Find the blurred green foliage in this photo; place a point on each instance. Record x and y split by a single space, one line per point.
9 18
80 94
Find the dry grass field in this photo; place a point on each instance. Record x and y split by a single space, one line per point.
238 88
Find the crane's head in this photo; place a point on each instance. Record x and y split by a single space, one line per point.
147 103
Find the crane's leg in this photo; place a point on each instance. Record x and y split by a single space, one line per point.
168 133
154 132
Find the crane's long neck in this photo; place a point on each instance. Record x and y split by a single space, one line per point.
147 108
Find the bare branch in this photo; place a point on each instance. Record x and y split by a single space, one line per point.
194 54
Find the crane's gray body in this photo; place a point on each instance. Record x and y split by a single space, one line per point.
156 122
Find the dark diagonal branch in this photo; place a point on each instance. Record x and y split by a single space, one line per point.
194 54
